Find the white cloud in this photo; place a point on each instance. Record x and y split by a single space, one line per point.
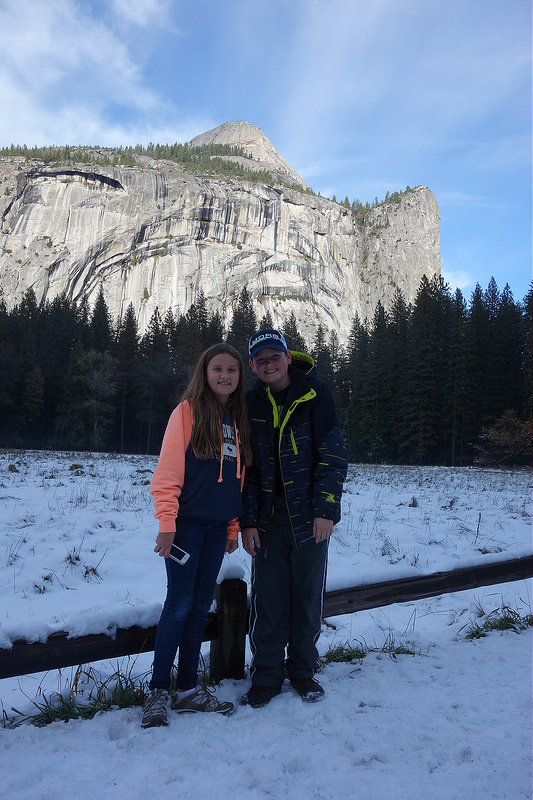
66 77
457 199
401 78
143 12
457 279
60 45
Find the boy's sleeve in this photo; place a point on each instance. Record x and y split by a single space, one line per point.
167 481
234 525
331 459
250 498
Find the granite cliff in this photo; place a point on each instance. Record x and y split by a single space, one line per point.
155 233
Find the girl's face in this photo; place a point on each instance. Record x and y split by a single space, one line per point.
223 376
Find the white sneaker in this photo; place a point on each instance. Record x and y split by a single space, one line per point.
200 700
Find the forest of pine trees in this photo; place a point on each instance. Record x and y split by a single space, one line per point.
442 381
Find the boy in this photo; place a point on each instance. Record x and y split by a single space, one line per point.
291 501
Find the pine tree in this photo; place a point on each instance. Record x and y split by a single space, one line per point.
173 333
54 346
98 371
321 353
357 359
7 358
157 385
101 335
480 334
421 401
243 325
29 401
83 323
23 330
375 392
266 322
180 352
192 336
398 335
526 412
492 299
352 345
29 311
342 382
202 315
126 353
459 391
335 374
215 330
71 422
169 328
292 336
506 356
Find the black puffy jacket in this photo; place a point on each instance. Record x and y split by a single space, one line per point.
311 450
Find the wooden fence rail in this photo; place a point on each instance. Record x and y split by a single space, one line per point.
226 630
403 590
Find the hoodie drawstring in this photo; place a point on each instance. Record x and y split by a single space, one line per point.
221 453
238 449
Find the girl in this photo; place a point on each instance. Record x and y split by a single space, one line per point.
196 489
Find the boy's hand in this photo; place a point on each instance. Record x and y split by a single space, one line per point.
322 529
231 546
250 540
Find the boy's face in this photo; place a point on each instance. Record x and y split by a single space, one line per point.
272 367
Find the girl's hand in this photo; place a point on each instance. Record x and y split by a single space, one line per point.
231 546
163 543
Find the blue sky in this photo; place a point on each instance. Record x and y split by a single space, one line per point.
360 96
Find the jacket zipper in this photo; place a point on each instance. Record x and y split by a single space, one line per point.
303 399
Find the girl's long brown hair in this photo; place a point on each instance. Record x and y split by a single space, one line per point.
207 411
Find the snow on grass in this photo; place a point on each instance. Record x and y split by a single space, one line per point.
425 712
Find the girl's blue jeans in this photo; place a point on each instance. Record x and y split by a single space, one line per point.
190 591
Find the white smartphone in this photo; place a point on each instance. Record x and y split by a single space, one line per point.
179 555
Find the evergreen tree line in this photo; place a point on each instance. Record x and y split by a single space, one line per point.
209 159
440 382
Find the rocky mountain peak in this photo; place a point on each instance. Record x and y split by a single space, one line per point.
254 142
156 233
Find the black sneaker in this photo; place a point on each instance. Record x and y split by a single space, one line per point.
259 696
309 689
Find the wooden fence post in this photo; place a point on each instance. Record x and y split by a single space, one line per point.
227 651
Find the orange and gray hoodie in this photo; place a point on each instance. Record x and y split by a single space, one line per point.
186 486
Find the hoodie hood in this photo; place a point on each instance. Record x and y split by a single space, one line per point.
304 363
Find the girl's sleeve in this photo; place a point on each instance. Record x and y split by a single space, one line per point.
234 525
167 481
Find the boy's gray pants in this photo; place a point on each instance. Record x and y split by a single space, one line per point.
288 584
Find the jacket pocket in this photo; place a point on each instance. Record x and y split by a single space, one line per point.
293 442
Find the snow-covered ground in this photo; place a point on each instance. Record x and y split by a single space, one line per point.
451 721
